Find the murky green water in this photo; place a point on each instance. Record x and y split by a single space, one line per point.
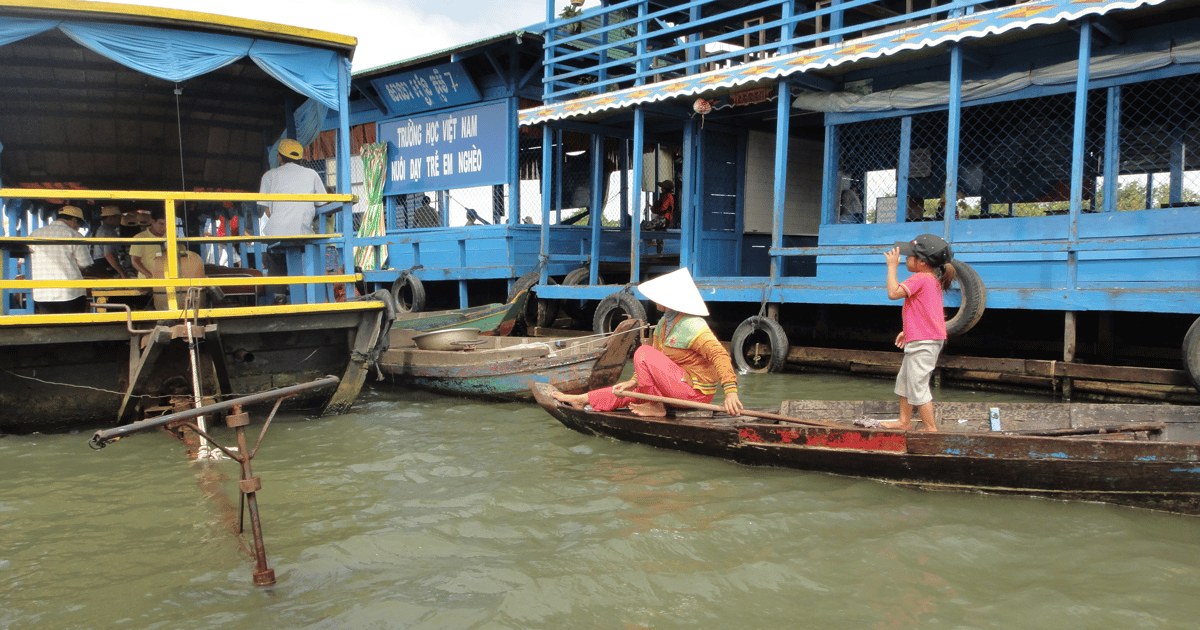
418 511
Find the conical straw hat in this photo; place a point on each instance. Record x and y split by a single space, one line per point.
676 291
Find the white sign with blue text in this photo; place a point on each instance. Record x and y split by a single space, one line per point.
459 149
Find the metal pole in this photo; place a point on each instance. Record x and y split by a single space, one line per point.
249 485
102 437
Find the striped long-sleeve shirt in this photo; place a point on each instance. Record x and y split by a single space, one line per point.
57 262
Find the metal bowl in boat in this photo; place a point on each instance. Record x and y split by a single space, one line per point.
446 339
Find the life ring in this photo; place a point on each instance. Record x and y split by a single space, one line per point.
409 293
583 310
974 300
1191 353
615 308
538 311
747 346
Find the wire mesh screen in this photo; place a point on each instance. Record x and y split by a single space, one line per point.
571 189
529 167
1015 157
927 168
418 210
1160 127
867 164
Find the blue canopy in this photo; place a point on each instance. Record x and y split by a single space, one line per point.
177 55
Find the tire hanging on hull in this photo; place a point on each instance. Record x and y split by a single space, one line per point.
582 310
974 300
1191 353
747 346
615 308
539 312
409 293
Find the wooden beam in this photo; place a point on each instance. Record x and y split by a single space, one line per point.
1033 368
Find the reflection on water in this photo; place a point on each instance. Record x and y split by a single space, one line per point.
418 511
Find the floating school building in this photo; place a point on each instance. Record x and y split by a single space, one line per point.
1050 141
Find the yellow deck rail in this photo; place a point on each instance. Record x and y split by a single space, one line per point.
171 272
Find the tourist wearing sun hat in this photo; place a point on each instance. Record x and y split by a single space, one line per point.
685 360
60 262
105 256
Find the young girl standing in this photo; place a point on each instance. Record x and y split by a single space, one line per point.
928 258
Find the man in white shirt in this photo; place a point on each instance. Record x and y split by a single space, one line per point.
60 262
289 218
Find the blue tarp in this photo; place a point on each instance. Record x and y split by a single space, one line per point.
177 55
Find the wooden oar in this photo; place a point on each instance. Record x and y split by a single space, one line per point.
710 407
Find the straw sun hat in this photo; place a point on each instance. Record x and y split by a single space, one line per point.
71 211
676 291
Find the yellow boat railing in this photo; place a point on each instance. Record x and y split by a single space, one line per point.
171 280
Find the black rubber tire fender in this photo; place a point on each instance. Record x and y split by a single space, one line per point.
574 308
539 312
409 293
615 308
526 281
974 300
1191 353
745 346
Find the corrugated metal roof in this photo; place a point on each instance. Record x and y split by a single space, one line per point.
926 36
534 31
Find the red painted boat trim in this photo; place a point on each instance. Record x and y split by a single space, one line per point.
825 438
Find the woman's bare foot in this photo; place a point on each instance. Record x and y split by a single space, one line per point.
578 401
898 425
649 410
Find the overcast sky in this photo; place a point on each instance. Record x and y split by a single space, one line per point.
387 30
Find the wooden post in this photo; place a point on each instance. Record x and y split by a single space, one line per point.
1068 351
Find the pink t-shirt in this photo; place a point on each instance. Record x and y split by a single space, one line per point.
922 311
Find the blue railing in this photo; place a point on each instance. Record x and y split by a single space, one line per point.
626 44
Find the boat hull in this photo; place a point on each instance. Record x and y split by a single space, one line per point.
1159 475
491 319
55 377
514 365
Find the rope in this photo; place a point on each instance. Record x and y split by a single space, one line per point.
588 340
179 134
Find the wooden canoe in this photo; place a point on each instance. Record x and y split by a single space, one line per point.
1145 456
491 319
504 368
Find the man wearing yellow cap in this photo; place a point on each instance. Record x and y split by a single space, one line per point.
289 218
106 255
60 262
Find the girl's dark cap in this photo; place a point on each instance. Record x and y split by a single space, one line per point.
927 247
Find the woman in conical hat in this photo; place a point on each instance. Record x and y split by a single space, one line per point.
685 359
